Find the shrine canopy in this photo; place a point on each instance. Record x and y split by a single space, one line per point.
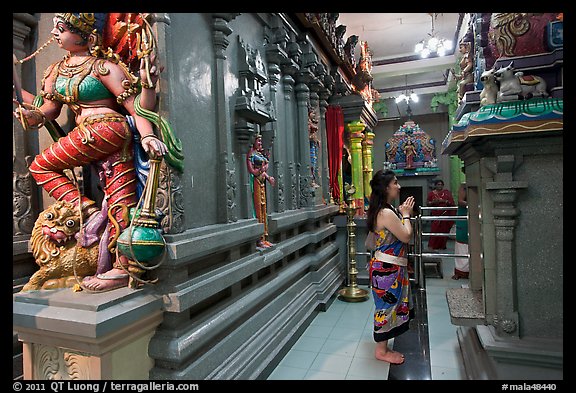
411 151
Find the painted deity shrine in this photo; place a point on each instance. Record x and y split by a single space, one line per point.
411 150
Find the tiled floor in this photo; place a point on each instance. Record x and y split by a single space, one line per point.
338 343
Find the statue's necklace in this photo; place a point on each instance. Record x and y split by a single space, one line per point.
69 70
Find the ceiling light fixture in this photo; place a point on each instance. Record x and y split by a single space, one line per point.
407 96
434 44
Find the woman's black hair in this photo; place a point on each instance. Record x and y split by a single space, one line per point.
379 196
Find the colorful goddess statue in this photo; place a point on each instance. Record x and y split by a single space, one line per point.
466 63
107 79
257 161
314 145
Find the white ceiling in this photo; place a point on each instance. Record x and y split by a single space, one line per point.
391 38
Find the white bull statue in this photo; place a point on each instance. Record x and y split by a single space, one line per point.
514 85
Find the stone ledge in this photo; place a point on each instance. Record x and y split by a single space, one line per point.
84 316
465 307
278 222
199 242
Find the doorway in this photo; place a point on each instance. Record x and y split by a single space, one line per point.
416 192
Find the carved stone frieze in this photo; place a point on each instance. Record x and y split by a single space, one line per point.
307 191
280 186
22 212
51 363
231 188
170 200
292 168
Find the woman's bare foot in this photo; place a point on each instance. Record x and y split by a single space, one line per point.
388 355
112 279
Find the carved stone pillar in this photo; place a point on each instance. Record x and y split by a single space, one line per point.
289 69
504 191
324 95
23 216
276 56
290 191
306 190
226 163
169 197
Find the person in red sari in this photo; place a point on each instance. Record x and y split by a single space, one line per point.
440 197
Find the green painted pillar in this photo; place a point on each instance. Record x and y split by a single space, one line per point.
367 160
355 129
457 177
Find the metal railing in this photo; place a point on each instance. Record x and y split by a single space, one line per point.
419 276
418 234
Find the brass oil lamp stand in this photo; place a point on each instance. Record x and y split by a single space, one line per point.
142 241
147 216
352 293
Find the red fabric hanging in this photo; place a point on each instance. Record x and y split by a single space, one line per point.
334 136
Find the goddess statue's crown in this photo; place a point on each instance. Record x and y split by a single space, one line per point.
85 23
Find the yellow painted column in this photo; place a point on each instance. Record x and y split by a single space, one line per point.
355 129
367 161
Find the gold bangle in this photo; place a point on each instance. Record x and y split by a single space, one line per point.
145 85
148 136
35 111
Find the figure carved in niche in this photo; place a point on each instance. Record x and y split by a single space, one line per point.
314 145
362 80
339 36
257 161
112 96
466 75
349 49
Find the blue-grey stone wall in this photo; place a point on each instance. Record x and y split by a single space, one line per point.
231 310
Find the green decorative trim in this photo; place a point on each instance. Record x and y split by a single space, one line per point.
519 111
174 157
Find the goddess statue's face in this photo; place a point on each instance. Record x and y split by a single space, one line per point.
258 144
65 38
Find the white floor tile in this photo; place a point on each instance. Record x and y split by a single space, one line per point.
449 359
285 373
347 333
298 359
323 375
339 347
310 344
446 373
332 363
318 331
369 368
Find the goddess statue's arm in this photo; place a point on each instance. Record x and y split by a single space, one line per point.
251 168
115 81
148 95
36 116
